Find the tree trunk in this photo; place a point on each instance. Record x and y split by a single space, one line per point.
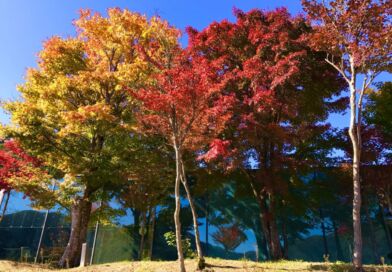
177 221
285 242
270 230
200 261
355 136
262 245
267 220
357 251
142 230
80 216
266 232
326 251
135 233
151 232
276 248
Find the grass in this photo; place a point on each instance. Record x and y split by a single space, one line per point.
214 265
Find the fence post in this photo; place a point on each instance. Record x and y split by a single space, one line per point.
83 255
2 192
257 252
43 230
98 205
94 243
41 236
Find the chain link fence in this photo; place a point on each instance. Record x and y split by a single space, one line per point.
326 237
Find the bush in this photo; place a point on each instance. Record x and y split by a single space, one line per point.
170 238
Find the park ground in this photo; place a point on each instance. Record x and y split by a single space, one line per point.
215 265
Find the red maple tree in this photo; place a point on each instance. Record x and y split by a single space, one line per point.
187 107
14 163
356 36
280 86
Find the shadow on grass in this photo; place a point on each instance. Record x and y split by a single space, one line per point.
339 267
222 266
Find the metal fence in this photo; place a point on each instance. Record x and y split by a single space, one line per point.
323 238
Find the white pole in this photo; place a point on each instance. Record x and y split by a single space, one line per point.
99 204
83 255
43 229
2 191
41 236
94 243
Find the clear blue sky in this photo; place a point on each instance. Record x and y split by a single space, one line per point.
25 24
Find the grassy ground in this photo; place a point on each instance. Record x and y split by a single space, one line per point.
215 265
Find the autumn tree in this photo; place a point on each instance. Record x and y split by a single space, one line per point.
75 114
281 86
22 172
185 106
356 36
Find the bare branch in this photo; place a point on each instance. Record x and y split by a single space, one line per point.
340 70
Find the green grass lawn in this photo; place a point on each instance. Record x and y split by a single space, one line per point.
214 265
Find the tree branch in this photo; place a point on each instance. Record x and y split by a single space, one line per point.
340 70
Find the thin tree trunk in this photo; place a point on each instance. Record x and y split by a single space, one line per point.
177 221
266 233
80 216
265 248
276 248
200 261
326 251
357 251
285 242
355 136
263 216
262 245
135 233
271 234
151 231
142 230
